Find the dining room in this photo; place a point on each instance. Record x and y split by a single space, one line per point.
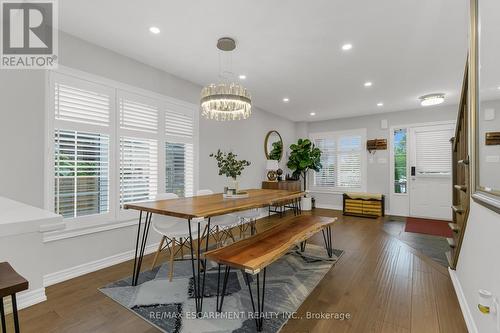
246 166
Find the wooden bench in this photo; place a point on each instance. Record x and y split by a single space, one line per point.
10 284
252 255
364 204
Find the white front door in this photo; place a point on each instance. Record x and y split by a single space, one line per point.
430 184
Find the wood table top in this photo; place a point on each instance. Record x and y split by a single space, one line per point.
10 281
213 204
255 253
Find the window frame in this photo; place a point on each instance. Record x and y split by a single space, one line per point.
362 132
116 217
392 159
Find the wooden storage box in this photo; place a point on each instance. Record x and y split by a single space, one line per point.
364 204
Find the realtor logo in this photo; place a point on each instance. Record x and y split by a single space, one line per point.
29 34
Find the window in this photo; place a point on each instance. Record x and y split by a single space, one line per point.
112 145
179 157
138 169
81 148
179 168
81 173
343 159
138 148
400 164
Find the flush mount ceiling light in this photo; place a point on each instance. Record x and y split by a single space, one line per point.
431 99
346 47
154 30
226 100
368 84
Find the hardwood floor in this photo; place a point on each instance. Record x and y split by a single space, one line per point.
382 283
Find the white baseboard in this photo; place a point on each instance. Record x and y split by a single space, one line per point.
73 272
25 299
469 320
326 206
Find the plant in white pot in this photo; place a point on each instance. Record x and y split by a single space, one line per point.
230 167
304 156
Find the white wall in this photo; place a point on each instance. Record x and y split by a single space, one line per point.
244 138
378 173
22 103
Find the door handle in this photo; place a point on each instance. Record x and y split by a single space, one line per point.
413 171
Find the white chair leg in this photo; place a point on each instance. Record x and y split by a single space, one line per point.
172 256
158 252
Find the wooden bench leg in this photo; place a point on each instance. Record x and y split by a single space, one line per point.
303 246
2 315
259 320
14 313
327 237
218 306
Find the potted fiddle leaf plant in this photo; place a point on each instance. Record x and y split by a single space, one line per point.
230 167
304 156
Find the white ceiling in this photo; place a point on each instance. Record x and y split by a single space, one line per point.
292 48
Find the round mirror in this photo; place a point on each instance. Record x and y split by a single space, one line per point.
273 146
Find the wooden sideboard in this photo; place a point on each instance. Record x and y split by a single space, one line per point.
289 185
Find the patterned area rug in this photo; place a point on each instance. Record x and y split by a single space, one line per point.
171 308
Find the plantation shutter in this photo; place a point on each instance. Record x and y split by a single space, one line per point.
81 173
81 105
138 169
341 159
349 162
138 116
139 119
326 177
179 154
433 152
82 112
178 124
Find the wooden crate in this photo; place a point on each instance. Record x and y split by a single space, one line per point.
364 207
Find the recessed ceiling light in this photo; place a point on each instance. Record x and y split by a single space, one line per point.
286 100
312 113
380 104
242 77
498 88
431 99
346 47
368 84
154 30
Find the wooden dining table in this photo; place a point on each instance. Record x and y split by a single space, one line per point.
197 209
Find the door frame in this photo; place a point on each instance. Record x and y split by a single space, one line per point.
404 198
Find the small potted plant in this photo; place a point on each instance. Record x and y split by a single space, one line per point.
304 156
230 167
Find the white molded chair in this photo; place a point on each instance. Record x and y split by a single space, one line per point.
175 234
220 226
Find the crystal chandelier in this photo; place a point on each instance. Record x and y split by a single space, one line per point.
226 100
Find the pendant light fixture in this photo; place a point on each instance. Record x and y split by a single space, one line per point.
225 100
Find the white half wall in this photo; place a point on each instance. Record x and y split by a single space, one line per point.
478 266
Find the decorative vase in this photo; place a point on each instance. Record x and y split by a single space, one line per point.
232 186
306 203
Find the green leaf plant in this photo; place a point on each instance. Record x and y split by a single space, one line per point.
228 164
304 156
